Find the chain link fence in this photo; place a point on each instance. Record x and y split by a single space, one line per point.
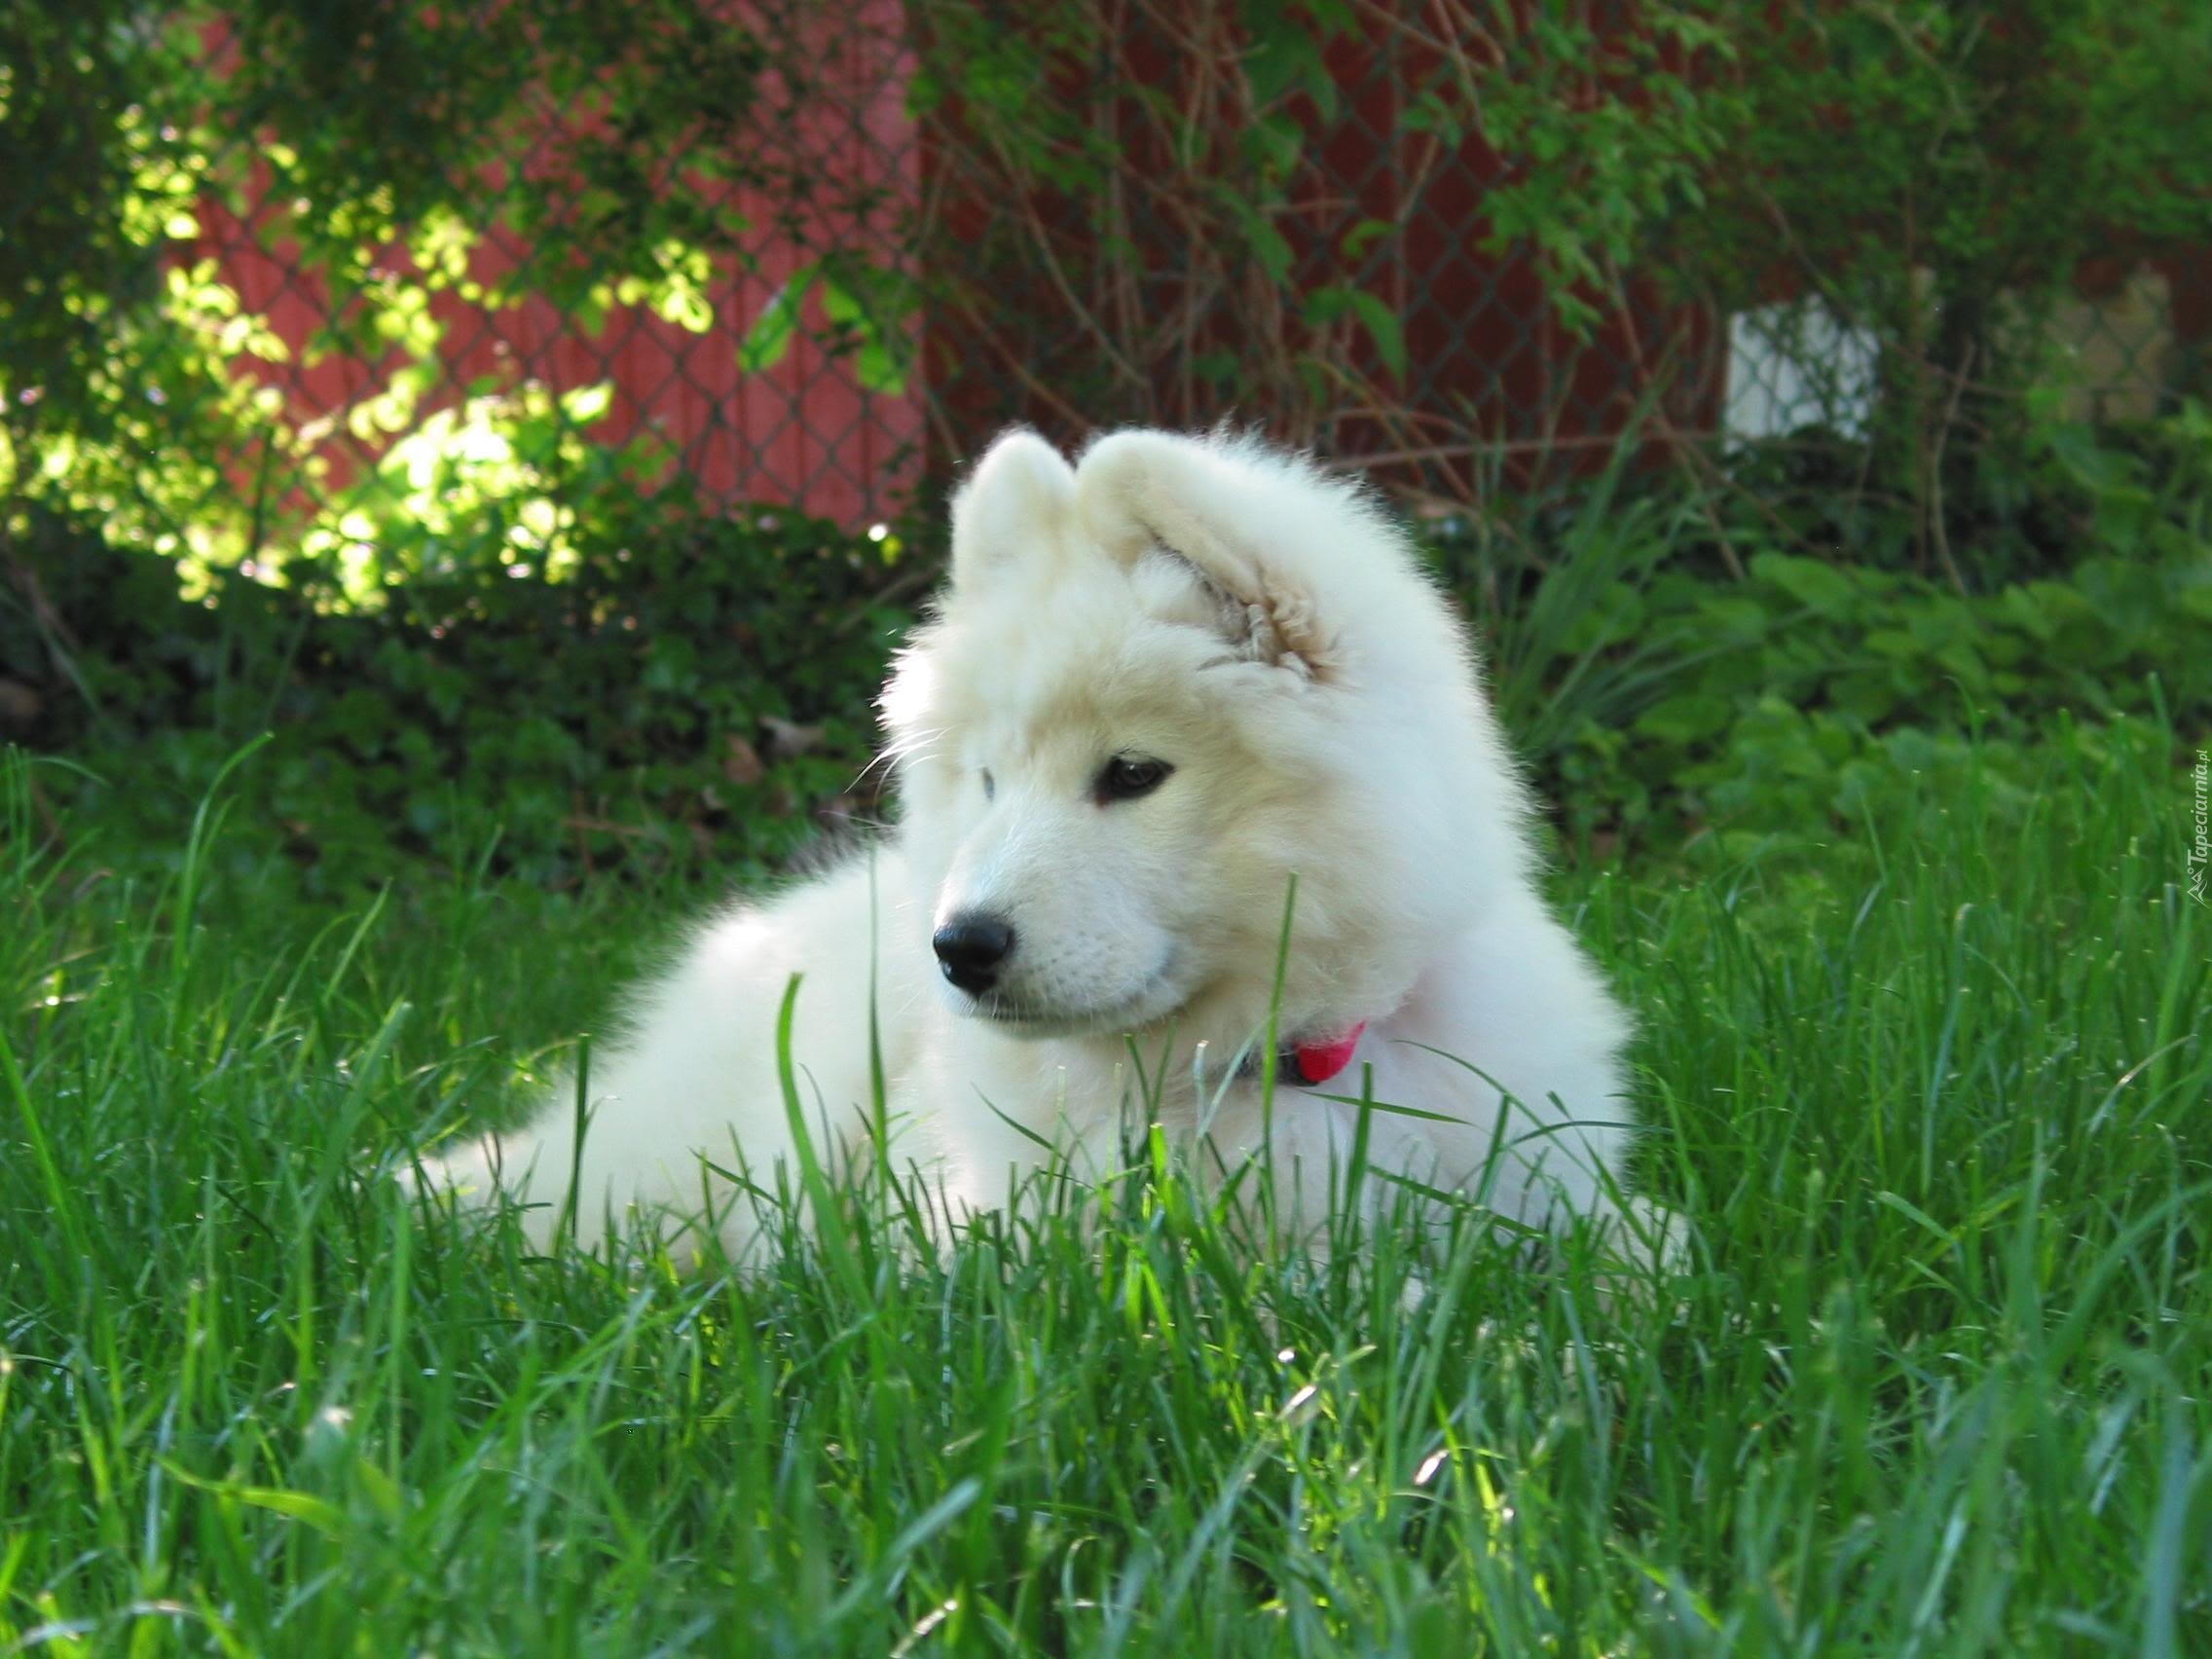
879 231
710 356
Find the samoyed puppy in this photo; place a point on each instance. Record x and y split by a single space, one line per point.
1173 693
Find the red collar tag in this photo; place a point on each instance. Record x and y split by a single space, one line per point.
1317 1063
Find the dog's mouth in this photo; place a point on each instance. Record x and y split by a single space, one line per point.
1159 997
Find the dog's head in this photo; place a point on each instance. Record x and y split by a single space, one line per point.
1163 683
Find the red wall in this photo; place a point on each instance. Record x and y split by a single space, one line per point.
802 433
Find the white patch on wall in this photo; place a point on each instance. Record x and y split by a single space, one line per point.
1796 364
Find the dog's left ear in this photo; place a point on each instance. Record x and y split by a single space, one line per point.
1146 494
1011 508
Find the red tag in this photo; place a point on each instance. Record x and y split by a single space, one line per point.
1317 1063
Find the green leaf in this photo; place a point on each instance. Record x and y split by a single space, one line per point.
322 1515
1685 718
1818 587
1268 245
770 335
1382 324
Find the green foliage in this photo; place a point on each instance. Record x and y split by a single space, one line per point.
2060 492
1087 154
596 147
642 81
1657 697
1240 216
1815 685
502 484
1609 132
89 181
1990 148
626 715
1935 175
116 354
867 313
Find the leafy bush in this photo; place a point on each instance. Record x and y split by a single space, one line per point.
1656 697
1990 147
1814 683
648 710
593 152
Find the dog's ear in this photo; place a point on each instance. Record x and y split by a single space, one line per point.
1011 506
1147 495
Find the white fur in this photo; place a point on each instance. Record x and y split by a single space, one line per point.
1225 608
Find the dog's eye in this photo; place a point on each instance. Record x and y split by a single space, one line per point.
1127 777
990 788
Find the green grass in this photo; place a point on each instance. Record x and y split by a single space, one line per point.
1938 1379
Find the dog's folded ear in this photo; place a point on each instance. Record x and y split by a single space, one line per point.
1146 495
1011 508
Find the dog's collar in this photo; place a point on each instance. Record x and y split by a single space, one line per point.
1315 1060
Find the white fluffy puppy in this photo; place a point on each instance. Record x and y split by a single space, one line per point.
1163 683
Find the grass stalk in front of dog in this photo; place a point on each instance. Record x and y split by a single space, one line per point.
1935 1381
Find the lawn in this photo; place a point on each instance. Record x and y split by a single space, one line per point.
1936 1377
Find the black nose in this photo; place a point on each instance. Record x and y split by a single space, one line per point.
969 949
